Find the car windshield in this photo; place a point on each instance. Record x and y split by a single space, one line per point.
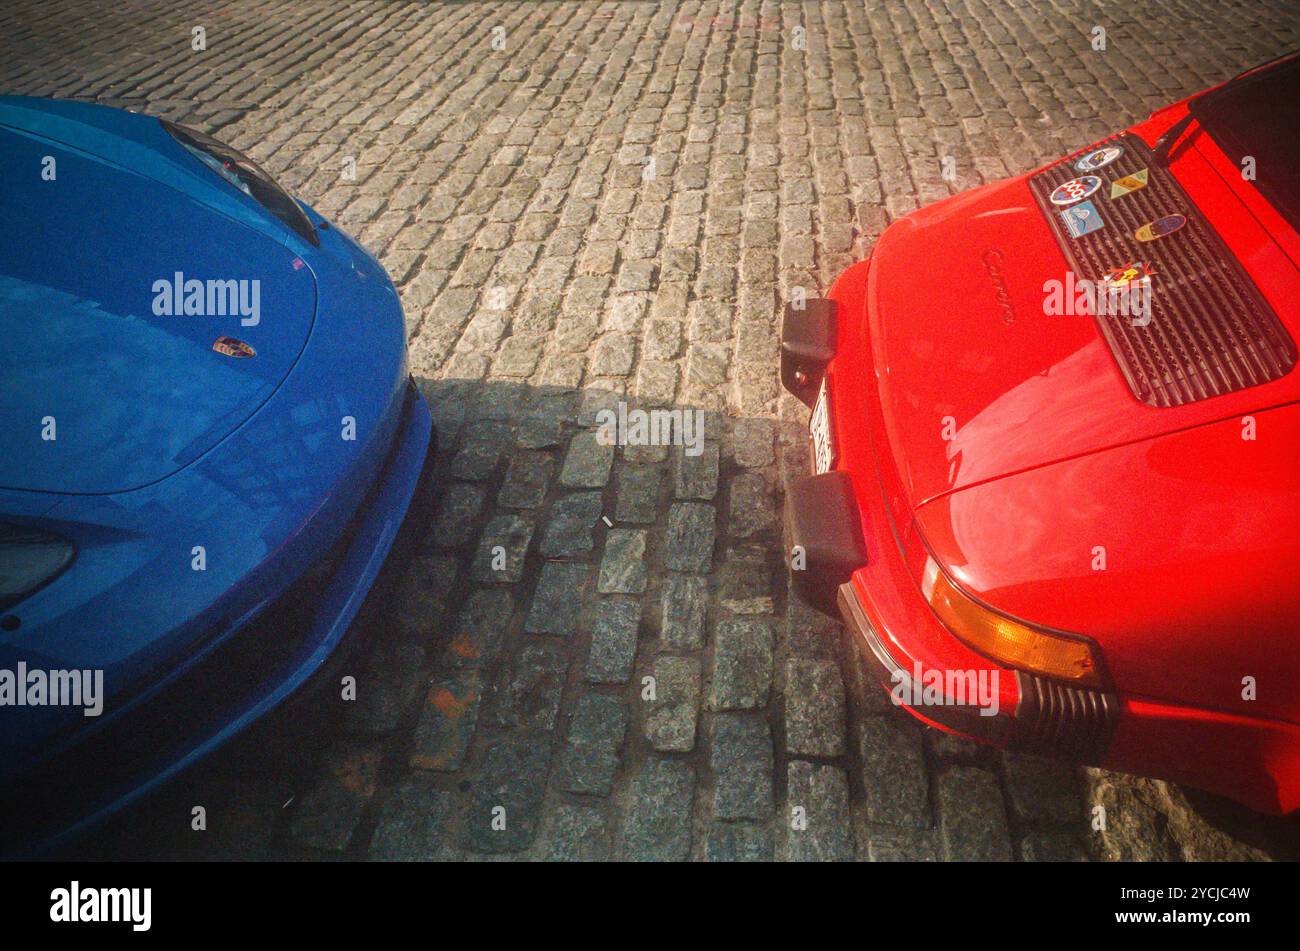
1258 117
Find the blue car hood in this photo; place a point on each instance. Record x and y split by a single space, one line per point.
110 228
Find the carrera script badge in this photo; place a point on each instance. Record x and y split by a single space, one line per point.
992 259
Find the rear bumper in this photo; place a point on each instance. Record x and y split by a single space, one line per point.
287 648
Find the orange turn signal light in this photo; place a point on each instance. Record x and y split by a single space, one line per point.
1017 645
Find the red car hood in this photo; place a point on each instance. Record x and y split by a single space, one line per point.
976 382
1182 573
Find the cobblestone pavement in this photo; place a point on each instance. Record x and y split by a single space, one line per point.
583 204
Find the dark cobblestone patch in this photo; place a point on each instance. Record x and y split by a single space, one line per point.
742 665
691 534
558 599
413 824
326 817
657 816
671 718
972 818
894 777
529 697
596 733
447 722
613 641
504 810
579 834
821 831
569 533
741 761
739 842
1043 790
480 629
685 610
458 514
814 708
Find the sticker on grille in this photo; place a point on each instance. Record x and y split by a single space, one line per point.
1210 331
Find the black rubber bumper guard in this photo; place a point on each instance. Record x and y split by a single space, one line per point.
823 531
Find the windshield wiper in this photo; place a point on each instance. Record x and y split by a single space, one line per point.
1160 154
1165 143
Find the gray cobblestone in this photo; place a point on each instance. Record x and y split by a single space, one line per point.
569 533
558 599
689 543
746 585
696 476
638 494
739 842
596 732
657 823
458 513
505 803
751 443
580 834
741 760
684 611
529 697
824 834
671 718
413 824
972 819
1043 790
480 629
814 708
752 512
901 845
501 550
587 463
613 641
623 569
526 480
893 771
742 666
1053 847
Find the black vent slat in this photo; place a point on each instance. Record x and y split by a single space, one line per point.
1211 332
1059 720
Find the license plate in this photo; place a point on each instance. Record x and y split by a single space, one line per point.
819 432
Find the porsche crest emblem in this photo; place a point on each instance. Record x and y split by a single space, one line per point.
233 348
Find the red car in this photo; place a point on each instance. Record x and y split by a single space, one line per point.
1056 450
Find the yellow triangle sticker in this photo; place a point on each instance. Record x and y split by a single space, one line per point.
1129 183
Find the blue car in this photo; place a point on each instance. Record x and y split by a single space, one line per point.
209 440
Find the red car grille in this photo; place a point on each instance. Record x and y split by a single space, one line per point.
1210 331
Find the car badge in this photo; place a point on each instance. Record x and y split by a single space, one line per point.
1098 159
1127 275
233 348
1129 183
1160 227
1081 219
1076 189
